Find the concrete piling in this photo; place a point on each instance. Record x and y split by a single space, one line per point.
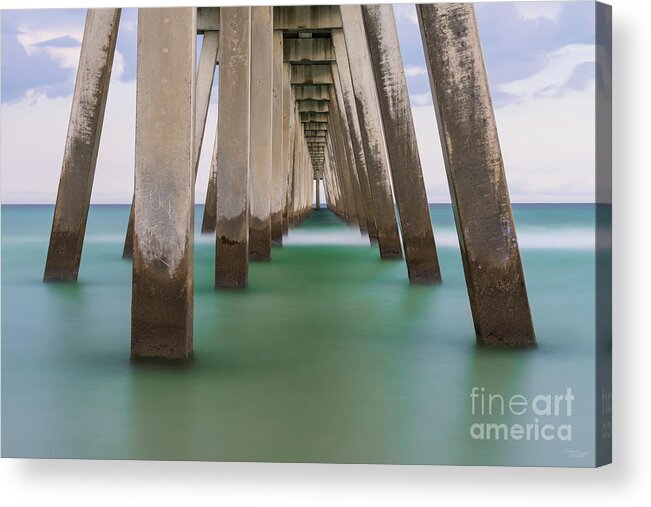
313 107
343 85
340 117
372 136
233 131
261 133
162 291
288 105
480 197
82 145
209 221
205 78
278 168
204 81
347 165
406 171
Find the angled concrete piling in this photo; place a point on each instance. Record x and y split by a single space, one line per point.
343 85
162 293
480 197
406 172
358 177
209 221
233 132
372 136
261 153
82 145
205 78
313 107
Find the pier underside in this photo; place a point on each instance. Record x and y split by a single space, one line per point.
313 108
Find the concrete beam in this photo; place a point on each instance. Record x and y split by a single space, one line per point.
311 74
315 126
82 145
232 231
313 50
311 92
406 171
475 170
207 19
307 18
313 106
314 117
163 278
261 133
278 172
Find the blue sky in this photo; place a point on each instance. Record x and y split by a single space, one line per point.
539 57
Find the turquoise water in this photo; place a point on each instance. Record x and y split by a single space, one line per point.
329 356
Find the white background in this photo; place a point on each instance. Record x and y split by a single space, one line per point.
627 482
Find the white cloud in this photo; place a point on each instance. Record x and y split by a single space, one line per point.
406 12
65 57
32 175
30 37
34 42
414 70
558 69
421 99
533 11
118 65
547 143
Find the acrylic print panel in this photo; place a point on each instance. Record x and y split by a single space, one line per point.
344 234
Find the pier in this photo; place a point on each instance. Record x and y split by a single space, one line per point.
313 108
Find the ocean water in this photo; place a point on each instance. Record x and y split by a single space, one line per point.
329 356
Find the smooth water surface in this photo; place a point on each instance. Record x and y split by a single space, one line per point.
329 356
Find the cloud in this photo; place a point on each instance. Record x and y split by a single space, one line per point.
421 99
533 11
40 51
556 75
34 39
415 70
406 12
32 175
517 37
117 71
547 143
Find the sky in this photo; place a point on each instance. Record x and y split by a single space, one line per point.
540 59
